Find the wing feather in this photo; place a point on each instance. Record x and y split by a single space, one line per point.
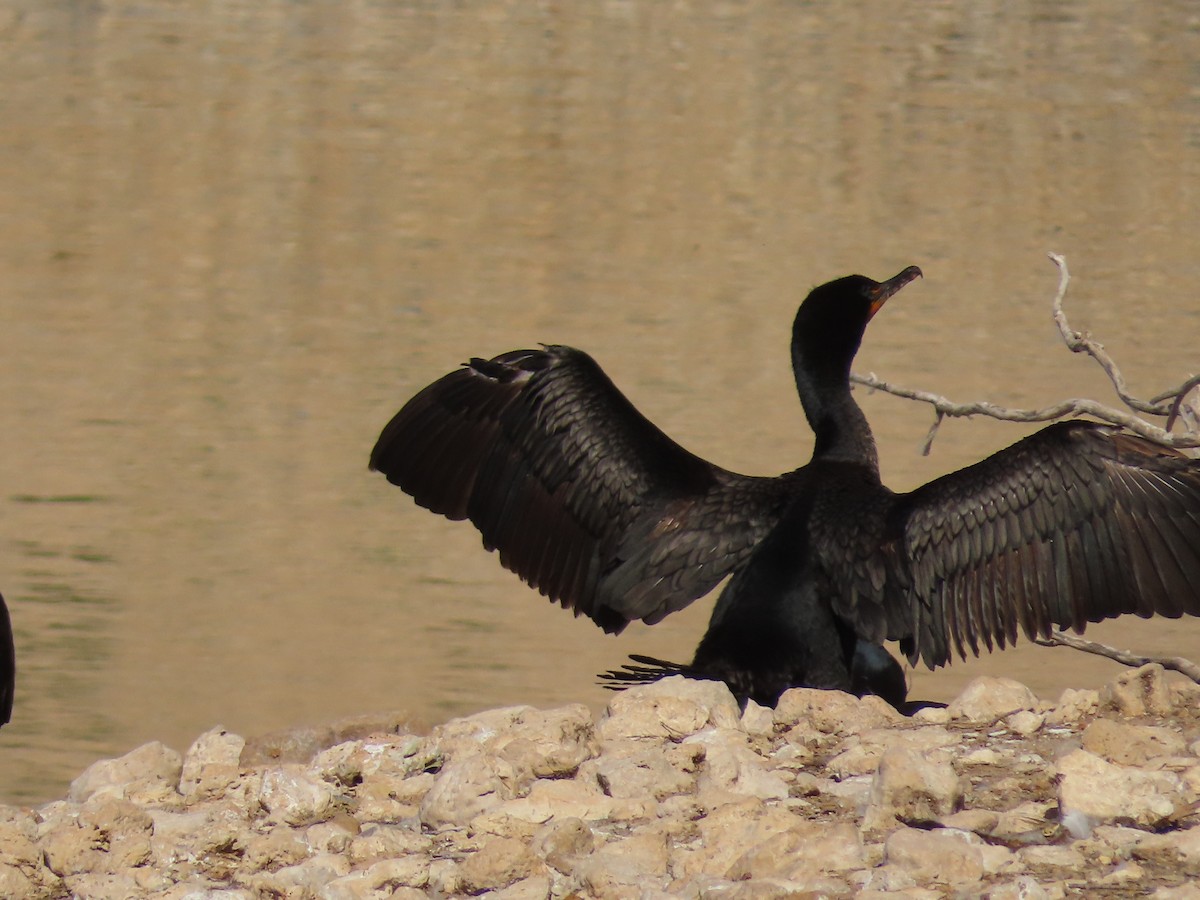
1077 523
582 496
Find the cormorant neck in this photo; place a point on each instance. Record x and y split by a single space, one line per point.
839 424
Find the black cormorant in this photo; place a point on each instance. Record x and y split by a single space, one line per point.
593 505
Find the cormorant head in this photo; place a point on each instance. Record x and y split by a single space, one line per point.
830 323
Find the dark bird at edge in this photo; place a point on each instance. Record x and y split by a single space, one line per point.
8 665
593 505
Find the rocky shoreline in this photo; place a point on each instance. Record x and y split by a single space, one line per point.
672 792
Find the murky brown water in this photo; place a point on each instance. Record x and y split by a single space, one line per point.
235 237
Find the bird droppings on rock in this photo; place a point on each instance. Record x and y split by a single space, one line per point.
669 793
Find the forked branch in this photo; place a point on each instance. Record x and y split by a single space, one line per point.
1176 404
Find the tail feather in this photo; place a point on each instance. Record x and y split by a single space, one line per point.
644 670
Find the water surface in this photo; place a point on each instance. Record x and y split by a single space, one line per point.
236 237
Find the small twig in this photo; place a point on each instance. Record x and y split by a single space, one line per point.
1174 663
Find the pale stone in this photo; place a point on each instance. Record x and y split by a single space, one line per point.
986 699
35 882
932 715
1138 692
390 798
1024 887
538 887
148 774
641 713
629 769
1025 722
730 765
729 831
1180 850
863 753
562 842
352 762
622 868
834 712
1073 706
186 843
1128 744
211 764
549 744
382 879
278 847
1182 892
499 863
1064 859
1100 791
293 796
467 786
804 852
758 720
911 787
377 842
333 835
934 857
304 879
103 886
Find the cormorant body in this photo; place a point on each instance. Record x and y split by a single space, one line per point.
593 505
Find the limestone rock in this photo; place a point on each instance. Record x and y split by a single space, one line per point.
1073 706
1179 850
1138 692
468 785
833 712
730 765
148 774
562 842
802 853
632 770
211 765
986 699
625 867
498 864
937 857
1094 791
290 794
1128 744
911 787
671 708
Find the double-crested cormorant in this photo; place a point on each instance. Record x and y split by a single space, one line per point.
8 665
598 509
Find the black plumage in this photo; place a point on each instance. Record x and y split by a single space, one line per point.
8 665
593 505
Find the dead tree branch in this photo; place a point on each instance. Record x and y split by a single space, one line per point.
1174 663
1171 405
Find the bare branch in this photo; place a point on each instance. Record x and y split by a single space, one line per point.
1174 663
1169 404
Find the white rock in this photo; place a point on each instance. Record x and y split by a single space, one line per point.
1100 791
211 764
910 787
986 699
935 856
290 794
148 774
1138 692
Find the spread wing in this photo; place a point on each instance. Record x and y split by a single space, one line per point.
583 497
1077 523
